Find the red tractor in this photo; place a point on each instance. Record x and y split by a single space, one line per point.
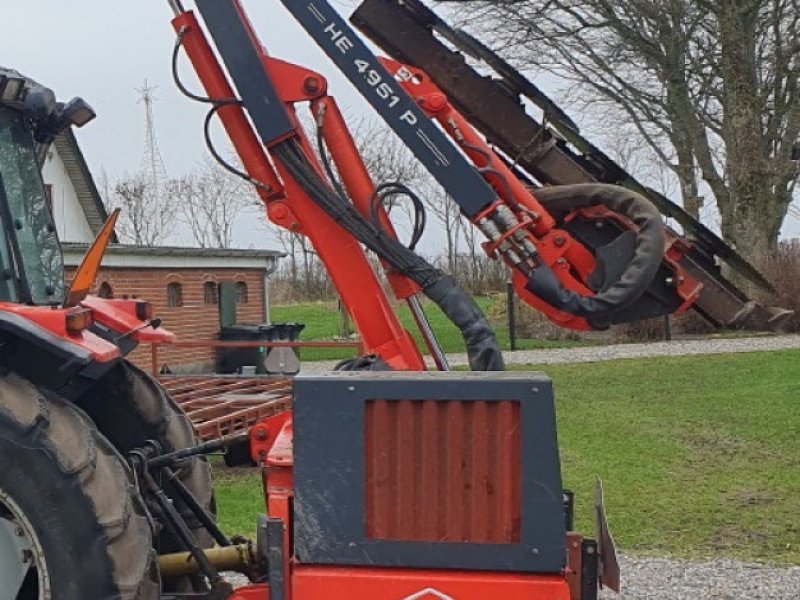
72 524
104 493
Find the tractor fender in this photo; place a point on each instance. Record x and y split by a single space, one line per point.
45 358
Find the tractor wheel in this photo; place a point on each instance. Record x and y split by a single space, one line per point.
130 407
72 525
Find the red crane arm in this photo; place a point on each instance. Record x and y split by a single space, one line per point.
289 206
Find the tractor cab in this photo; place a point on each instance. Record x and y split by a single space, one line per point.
53 334
30 255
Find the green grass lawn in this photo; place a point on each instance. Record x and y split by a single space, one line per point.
322 323
700 456
240 498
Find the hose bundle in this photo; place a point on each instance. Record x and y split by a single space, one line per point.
483 351
640 271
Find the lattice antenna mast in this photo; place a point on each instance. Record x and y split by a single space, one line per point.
152 167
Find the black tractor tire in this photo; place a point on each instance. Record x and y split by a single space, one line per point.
131 407
78 496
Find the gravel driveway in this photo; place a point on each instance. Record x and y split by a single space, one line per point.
553 356
662 579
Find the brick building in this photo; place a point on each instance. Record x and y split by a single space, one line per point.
182 283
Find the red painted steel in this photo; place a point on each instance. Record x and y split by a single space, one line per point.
571 261
380 330
53 323
251 592
241 134
443 471
264 435
278 482
572 573
356 179
120 316
331 583
343 257
257 344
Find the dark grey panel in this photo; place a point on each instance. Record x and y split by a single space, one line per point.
329 471
246 69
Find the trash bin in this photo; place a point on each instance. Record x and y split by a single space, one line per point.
233 360
284 361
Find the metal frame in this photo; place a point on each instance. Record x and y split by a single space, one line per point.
351 55
224 406
410 32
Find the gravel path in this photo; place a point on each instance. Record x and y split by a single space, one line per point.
553 356
661 578
671 579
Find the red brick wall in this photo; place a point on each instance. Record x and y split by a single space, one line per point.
195 320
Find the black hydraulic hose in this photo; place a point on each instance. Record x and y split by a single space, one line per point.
395 188
483 351
640 271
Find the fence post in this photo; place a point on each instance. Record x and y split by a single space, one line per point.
511 313
668 327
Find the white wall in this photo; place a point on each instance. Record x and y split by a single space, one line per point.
71 222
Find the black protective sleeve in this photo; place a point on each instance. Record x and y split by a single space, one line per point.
483 350
633 282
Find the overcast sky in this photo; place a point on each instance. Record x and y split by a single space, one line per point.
103 50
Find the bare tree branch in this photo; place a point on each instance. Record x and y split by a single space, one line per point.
711 86
208 203
147 218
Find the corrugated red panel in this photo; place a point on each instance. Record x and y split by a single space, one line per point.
443 471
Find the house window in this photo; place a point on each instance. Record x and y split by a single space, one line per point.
174 295
210 295
105 291
241 292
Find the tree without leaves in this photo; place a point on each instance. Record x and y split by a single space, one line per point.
385 155
208 203
712 86
301 269
147 218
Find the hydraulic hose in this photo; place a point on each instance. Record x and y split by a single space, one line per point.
640 271
483 351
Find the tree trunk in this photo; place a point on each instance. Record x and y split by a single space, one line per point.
755 217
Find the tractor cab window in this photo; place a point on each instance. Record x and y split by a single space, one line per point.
8 284
26 221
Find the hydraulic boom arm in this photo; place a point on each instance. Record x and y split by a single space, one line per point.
586 255
299 197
